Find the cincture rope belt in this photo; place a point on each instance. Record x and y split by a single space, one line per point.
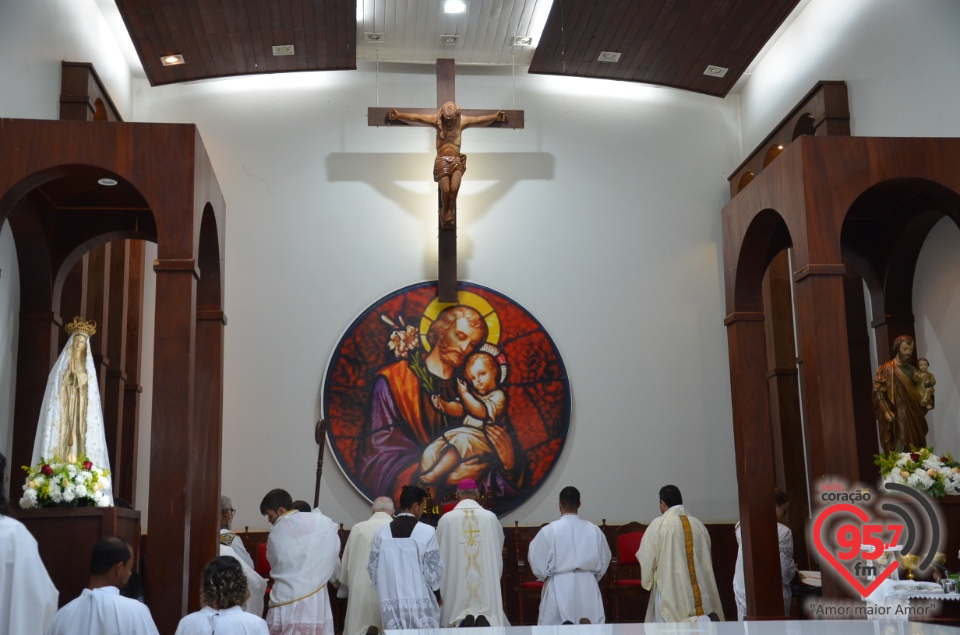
688 544
276 606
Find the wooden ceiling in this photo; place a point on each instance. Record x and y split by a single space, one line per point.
662 42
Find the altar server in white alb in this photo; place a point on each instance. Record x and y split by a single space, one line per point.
28 598
676 567
405 566
471 545
363 605
100 609
223 590
571 555
303 550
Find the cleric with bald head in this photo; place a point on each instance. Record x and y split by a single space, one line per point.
363 603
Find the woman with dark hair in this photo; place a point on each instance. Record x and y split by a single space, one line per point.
223 592
28 598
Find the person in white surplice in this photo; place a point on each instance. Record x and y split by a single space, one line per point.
100 609
223 591
303 550
681 589
405 566
363 605
471 545
571 555
28 598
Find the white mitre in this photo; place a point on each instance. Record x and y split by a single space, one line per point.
48 427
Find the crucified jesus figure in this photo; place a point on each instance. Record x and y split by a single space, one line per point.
449 166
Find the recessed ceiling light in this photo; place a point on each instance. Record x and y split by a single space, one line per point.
373 37
608 56
107 182
454 6
283 49
172 60
450 40
523 40
715 71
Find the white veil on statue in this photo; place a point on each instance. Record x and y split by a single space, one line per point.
65 400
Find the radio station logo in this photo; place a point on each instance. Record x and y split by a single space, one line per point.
864 534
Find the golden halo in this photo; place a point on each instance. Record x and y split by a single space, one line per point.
465 298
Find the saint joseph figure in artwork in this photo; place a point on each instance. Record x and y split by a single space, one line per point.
402 419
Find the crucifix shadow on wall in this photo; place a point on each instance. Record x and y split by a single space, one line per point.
492 177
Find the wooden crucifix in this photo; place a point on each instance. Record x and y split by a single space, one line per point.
449 120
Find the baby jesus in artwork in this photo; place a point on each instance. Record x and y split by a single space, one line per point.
483 432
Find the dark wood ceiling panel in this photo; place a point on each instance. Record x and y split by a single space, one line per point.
663 42
220 38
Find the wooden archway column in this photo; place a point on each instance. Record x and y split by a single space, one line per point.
168 165
813 185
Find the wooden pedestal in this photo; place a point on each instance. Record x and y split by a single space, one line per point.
66 535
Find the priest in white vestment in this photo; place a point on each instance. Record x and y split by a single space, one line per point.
227 537
100 609
788 568
223 591
363 605
28 598
405 567
303 550
570 555
471 546
682 589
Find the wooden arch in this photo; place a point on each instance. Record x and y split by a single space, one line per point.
845 202
167 193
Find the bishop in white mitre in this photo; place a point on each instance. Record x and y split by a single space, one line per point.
363 605
471 546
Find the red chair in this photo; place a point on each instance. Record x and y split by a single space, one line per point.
263 568
625 571
528 588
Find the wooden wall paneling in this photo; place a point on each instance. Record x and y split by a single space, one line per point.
115 380
83 96
784 391
97 286
861 374
133 329
84 526
822 111
73 298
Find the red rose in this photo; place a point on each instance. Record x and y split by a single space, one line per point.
914 457
87 465
46 469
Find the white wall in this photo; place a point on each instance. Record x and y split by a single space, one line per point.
35 37
899 62
601 217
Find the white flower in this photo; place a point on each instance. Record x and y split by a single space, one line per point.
26 503
56 496
101 500
68 495
81 491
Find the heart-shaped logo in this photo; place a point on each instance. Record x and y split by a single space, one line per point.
830 557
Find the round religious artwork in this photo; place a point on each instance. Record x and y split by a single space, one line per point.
428 394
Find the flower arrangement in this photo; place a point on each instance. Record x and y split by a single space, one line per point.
53 481
921 469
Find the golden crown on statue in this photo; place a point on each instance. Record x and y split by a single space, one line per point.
79 325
